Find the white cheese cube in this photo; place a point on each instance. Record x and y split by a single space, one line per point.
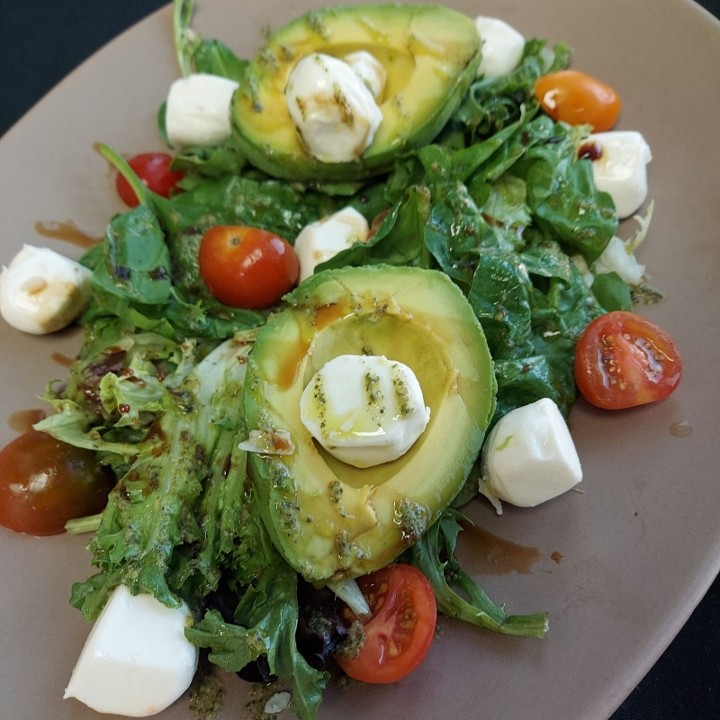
198 110
42 291
334 112
502 47
364 409
619 163
529 457
321 240
136 660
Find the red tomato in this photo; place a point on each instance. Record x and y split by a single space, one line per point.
45 482
623 360
247 267
399 633
154 171
576 98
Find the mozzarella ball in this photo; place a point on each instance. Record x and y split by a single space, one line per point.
136 660
529 457
619 163
42 291
198 111
502 47
364 409
322 240
333 110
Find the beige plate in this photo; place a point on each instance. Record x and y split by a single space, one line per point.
641 544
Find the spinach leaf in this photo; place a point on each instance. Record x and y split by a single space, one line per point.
135 280
131 273
491 104
563 198
612 292
500 295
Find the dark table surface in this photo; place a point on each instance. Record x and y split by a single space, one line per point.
41 41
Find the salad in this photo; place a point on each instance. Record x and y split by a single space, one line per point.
506 204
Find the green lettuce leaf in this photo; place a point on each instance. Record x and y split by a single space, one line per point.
151 513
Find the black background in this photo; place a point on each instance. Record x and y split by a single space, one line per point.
41 41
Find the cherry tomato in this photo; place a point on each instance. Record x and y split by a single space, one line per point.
153 169
576 98
401 628
623 360
45 482
247 267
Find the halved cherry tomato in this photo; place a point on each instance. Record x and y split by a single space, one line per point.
623 360
577 98
401 629
247 267
154 171
45 482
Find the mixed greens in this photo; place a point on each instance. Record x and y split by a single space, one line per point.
498 202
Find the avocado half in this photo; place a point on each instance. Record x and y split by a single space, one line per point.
330 520
431 54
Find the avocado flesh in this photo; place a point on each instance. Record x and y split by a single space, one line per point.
331 520
430 53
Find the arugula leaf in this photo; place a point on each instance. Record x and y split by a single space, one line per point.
434 555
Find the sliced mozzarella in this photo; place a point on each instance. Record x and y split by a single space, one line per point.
332 108
529 457
502 47
325 238
136 660
619 163
615 258
42 291
198 110
370 70
364 409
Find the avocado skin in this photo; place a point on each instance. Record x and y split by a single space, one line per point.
430 52
332 521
